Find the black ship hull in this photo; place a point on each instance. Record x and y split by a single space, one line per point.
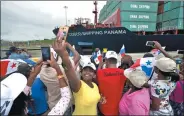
114 38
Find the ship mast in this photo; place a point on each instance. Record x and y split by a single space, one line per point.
95 12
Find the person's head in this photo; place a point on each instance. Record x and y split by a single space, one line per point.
25 69
111 59
23 50
166 69
148 55
88 72
126 62
97 49
19 50
13 49
137 78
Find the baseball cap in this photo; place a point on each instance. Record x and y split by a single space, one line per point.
166 64
136 76
89 64
84 59
11 87
111 54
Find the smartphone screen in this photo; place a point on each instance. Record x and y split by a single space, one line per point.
45 53
150 43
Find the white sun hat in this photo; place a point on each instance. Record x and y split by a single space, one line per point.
136 76
166 65
11 87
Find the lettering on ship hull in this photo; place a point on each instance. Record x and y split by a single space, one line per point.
106 32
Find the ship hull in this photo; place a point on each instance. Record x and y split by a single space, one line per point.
114 38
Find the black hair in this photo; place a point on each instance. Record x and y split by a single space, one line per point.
24 69
126 65
112 60
174 76
19 105
13 49
148 55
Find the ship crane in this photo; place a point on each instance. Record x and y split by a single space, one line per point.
95 12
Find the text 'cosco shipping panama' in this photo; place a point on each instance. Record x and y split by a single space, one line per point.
106 32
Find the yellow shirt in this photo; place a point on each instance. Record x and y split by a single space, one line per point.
86 100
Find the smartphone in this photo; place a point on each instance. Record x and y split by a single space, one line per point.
45 53
150 43
180 51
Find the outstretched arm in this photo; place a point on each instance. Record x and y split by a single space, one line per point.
60 48
158 46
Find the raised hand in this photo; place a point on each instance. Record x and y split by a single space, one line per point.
52 62
157 45
60 36
59 46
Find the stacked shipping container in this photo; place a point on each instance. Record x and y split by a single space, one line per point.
170 16
147 16
138 16
135 16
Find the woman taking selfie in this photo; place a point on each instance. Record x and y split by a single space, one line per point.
86 93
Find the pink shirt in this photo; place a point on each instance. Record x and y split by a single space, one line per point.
136 103
178 94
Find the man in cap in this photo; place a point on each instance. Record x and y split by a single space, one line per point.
111 83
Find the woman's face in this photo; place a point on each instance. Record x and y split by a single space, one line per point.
88 74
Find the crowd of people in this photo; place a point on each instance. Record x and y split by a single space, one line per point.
78 85
17 53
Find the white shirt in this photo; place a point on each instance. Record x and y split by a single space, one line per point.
62 105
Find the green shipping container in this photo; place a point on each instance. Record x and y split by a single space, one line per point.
139 6
138 16
114 4
109 2
167 6
173 24
173 14
175 4
139 26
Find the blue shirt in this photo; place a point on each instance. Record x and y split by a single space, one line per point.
15 56
18 56
39 97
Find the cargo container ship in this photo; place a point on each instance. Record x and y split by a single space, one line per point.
131 24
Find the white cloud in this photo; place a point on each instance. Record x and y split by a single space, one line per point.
27 20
